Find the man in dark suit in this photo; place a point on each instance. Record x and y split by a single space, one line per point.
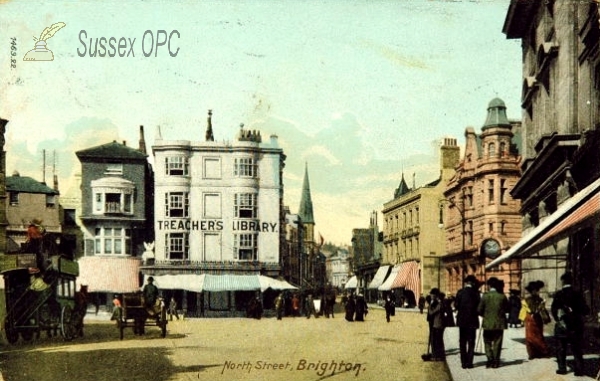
568 309
493 307
467 319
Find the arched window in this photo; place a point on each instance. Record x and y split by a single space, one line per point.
492 150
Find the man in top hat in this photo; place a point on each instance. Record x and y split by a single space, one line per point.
493 307
568 308
467 319
150 292
436 326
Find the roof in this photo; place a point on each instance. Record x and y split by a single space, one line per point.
24 184
111 150
402 188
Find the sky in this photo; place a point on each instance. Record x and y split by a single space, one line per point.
359 92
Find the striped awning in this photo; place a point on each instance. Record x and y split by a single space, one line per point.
227 282
274 284
409 277
379 277
188 282
352 282
575 213
109 274
387 284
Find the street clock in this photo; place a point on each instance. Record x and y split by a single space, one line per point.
491 248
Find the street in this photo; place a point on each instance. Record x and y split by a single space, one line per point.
234 349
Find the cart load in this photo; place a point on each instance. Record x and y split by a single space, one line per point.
40 300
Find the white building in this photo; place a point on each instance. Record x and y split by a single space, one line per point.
218 211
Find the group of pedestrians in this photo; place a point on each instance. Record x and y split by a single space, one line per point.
355 307
568 309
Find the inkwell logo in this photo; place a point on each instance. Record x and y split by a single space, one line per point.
41 51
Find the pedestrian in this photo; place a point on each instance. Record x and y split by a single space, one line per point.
534 315
421 303
447 310
390 307
568 309
514 300
467 319
116 313
350 307
493 307
173 309
436 326
295 305
150 293
361 308
279 305
310 307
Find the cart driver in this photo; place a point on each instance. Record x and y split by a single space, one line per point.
36 281
150 292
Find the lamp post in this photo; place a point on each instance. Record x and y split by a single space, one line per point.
463 222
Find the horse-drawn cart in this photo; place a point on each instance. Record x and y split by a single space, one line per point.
40 300
133 313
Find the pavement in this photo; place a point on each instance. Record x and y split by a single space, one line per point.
515 364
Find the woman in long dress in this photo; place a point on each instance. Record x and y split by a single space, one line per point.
530 314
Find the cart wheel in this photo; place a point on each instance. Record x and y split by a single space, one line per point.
27 334
12 335
67 328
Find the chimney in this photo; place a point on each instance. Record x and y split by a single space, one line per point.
142 141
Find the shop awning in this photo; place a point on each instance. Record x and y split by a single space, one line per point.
228 282
409 277
379 277
387 284
571 216
188 282
274 284
352 282
109 274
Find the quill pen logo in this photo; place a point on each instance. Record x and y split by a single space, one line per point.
41 51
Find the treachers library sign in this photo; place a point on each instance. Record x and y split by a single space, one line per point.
218 225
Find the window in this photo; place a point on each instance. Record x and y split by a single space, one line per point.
503 228
245 205
469 196
503 151
113 203
112 241
245 248
70 217
13 198
176 166
114 169
177 204
50 201
177 246
503 191
491 191
245 167
492 150
469 233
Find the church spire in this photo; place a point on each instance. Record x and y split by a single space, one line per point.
209 132
306 206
